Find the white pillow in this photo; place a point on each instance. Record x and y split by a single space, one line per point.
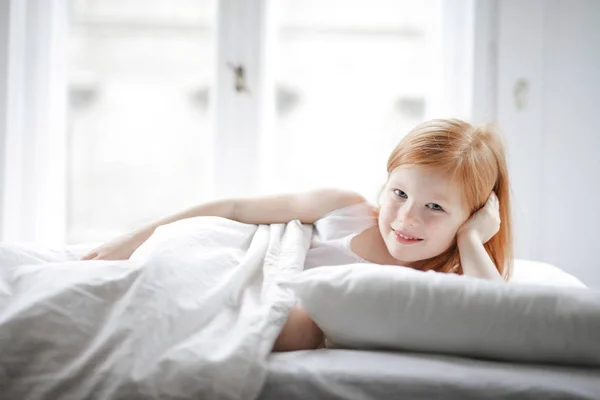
373 306
536 272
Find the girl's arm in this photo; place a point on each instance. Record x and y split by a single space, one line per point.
299 331
305 206
474 260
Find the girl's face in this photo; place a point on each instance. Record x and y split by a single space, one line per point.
420 214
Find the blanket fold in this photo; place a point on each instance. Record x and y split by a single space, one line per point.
192 314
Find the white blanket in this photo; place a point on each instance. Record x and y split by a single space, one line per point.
192 315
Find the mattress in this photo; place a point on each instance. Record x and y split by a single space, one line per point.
354 374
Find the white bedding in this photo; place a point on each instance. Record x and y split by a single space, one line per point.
194 313
392 307
363 375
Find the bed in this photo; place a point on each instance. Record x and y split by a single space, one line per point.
130 338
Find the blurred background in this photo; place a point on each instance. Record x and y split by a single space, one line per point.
117 112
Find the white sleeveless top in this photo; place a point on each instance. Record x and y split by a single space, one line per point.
332 233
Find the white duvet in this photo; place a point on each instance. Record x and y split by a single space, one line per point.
192 315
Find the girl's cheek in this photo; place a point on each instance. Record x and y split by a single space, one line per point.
437 225
430 221
387 211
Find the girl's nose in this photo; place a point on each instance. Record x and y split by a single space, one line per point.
408 215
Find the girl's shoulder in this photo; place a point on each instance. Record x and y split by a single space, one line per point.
364 208
347 221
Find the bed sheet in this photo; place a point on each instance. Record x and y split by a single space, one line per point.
354 374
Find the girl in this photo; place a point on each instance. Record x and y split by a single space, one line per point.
440 209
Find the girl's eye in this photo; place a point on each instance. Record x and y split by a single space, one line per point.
400 193
435 207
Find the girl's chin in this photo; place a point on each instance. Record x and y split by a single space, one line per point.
411 262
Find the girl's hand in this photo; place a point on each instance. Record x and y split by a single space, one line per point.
120 248
485 223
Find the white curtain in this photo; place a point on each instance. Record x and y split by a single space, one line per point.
32 60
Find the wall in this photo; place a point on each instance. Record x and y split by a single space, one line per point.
553 48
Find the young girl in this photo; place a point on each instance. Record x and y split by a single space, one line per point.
440 209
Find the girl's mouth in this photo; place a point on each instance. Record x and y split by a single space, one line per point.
406 238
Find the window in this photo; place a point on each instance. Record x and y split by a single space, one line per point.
353 77
155 123
139 138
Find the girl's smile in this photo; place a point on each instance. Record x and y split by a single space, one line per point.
406 238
